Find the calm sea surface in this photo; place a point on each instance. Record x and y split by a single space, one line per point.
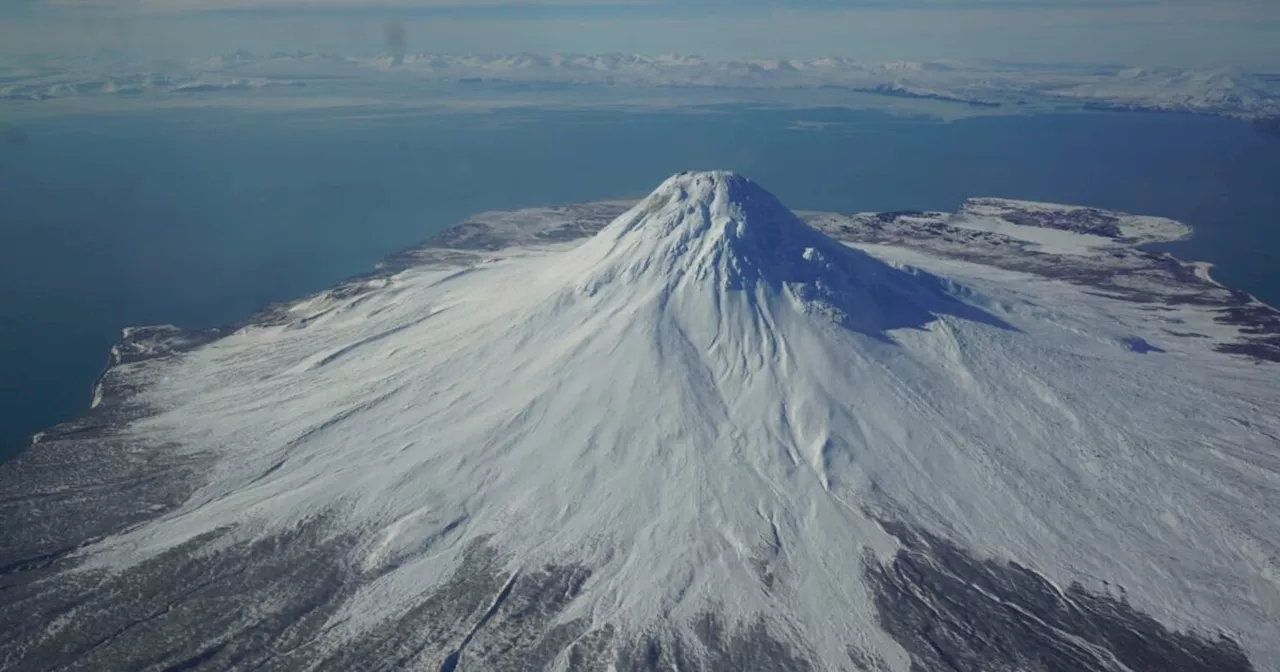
199 219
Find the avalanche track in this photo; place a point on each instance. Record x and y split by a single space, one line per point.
708 437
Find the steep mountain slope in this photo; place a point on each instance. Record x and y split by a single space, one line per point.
708 437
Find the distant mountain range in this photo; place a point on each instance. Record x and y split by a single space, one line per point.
1221 91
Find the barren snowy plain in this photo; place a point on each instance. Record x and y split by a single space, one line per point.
696 432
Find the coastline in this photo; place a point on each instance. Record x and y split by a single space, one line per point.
466 241
1204 270
101 474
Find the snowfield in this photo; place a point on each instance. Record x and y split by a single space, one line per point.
708 436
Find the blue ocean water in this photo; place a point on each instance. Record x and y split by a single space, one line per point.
200 218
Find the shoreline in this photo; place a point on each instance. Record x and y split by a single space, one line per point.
1204 270
128 463
141 342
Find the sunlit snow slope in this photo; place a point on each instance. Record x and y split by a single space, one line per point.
740 435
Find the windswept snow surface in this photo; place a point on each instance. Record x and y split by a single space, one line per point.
1041 225
715 408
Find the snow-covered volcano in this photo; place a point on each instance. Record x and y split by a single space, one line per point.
708 437
720 242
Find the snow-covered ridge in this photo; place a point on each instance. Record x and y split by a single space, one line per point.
716 227
1220 91
721 232
627 437
1229 89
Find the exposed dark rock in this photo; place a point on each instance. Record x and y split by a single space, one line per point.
954 612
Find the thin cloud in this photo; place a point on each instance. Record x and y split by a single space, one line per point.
671 6
202 5
171 6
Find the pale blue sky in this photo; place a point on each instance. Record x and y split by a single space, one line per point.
1244 33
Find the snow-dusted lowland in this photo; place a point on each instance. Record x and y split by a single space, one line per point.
697 432
310 79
